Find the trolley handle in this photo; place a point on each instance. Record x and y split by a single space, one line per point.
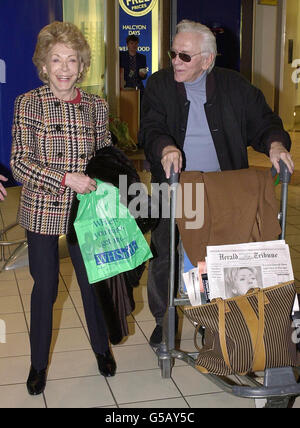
174 176
284 175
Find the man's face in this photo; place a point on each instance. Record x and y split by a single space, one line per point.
132 47
189 43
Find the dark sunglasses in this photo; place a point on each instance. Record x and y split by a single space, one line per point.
184 57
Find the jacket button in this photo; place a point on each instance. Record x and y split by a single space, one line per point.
56 104
59 155
80 108
83 156
58 128
56 203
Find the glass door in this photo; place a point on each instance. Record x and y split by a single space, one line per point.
89 16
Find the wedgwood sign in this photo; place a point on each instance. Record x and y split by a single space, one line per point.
137 7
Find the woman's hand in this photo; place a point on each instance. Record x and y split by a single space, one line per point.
80 183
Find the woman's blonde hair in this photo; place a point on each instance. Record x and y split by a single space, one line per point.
67 34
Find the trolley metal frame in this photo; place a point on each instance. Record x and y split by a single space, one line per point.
280 385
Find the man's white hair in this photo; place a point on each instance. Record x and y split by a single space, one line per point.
208 40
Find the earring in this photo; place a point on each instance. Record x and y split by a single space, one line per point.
79 76
44 76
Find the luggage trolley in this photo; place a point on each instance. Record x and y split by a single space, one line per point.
280 385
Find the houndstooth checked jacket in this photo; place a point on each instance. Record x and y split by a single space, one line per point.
52 137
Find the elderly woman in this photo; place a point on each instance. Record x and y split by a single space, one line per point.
57 128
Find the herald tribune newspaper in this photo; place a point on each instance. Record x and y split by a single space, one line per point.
234 269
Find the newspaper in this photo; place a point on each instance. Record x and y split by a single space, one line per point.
194 284
234 269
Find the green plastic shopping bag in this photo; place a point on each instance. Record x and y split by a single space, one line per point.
109 238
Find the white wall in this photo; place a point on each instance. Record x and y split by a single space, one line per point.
297 54
265 21
288 91
264 57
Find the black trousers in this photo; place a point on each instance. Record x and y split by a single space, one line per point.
158 272
44 269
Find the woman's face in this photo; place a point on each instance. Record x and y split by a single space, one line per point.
63 66
245 280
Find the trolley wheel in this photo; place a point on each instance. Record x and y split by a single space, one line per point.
166 366
280 403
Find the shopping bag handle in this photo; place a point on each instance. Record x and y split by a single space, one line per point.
284 175
258 345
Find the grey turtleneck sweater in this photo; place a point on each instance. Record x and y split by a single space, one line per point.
198 145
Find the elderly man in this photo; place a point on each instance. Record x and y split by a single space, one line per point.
200 117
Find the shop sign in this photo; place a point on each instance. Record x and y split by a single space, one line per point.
268 2
137 7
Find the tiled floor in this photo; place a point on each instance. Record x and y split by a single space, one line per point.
73 378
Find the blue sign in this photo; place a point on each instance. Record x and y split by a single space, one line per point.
138 25
224 19
20 23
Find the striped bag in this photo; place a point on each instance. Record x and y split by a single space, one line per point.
247 333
